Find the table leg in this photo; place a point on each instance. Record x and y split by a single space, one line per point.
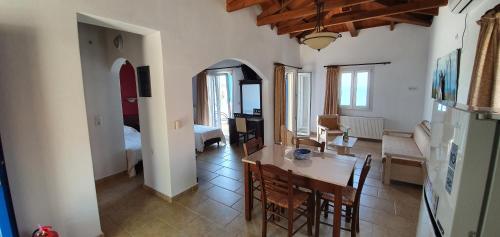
337 215
248 191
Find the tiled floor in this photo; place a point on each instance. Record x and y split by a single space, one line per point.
216 207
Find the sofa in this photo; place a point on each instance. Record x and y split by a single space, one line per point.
404 154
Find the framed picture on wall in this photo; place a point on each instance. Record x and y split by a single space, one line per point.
445 81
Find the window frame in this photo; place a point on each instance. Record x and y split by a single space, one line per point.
354 81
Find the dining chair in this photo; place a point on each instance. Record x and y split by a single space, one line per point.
278 193
350 199
310 143
242 129
287 136
251 146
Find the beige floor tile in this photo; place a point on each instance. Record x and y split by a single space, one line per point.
223 196
207 166
203 227
230 173
174 215
226 183
216 212
233 164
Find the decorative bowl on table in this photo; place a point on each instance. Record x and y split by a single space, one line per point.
302 154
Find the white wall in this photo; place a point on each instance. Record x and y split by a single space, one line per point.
406 49
446 35
102 94
43 123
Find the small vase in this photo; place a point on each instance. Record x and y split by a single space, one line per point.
345 137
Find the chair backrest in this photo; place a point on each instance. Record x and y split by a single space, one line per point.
253 145
421 136
311 143
362 177
241 124
275 181
287 136
330 121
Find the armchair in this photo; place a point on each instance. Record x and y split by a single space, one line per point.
327 125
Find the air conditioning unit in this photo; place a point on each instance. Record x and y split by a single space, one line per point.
459 6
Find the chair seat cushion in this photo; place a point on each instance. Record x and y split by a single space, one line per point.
348 196
280 199
400 145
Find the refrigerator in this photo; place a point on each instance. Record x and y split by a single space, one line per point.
461 194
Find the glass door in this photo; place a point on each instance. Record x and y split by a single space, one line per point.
7 221
304 103
220 100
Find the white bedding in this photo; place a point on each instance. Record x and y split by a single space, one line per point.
133 152
204 133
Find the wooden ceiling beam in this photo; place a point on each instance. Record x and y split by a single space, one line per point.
276 7
403 18
366 15
305 12
352 29
429 12
234 5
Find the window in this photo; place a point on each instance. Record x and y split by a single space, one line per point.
354 89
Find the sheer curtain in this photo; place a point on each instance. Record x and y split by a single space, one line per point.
220 93
213 101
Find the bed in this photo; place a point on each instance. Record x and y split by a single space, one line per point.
206 136
133 152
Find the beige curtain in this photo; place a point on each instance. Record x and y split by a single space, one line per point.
331 91
279 101
484 90
202 99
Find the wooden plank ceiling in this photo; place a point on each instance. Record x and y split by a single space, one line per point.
298 17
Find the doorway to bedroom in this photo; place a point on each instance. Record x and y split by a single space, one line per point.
110 60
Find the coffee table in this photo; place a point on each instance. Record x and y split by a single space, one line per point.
341 146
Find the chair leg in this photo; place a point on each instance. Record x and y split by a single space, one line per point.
310 213
353 224
290 221
325 209
317 214
264 220
357 218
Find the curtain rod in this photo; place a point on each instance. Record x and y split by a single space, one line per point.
359 64
219 68
287 65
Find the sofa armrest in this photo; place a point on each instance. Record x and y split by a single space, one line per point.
398 133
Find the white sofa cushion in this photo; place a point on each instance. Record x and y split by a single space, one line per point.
400 145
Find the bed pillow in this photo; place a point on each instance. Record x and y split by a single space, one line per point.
129 130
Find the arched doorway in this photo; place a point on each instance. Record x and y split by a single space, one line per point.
221 92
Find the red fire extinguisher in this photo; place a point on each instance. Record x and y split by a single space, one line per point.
45 231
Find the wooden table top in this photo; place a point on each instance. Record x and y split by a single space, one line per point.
327 167
339 142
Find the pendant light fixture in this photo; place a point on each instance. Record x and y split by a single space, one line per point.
319 39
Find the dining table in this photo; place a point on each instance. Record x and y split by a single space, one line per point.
323 172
